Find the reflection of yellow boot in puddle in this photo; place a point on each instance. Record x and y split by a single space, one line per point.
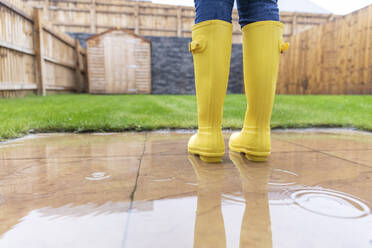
209 225
256 227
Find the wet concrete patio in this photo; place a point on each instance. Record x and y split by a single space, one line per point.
144 190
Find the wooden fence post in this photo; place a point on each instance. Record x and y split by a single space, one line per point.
39 52
136 18
179 22
78 76
86 73
93 18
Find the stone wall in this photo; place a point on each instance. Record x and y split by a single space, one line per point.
172 68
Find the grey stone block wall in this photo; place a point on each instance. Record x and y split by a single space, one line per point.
172 69
172 66
236 84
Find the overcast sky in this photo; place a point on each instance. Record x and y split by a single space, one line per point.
339 7
342 6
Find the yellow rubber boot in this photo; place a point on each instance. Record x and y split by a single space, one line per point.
211 49
262 45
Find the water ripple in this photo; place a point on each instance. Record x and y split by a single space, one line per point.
330 203
281 177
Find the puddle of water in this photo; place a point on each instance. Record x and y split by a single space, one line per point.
180 202
69 226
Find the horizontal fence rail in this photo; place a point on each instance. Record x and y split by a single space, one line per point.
333 58
148 19
35 56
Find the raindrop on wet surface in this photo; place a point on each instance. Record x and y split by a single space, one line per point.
98 176
169 179
192 184
330 203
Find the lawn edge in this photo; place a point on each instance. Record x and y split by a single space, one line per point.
173 129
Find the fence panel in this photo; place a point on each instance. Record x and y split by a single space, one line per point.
333 58
17 61
34 56
94 16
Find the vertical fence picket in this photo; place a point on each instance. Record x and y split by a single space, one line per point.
39 53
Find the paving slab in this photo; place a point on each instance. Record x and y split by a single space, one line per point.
74 145
363 157
144 190
335 140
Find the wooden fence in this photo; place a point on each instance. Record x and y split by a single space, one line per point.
34 56
144 18
333 58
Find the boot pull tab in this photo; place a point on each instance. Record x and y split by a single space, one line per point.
194 45
283 46
198 44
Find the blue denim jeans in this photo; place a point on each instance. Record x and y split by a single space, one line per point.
249 10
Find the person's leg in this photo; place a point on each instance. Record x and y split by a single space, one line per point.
213 10
257 10
211 49
262 45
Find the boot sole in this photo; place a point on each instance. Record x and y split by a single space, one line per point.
208 159
256 158
250 155
212 158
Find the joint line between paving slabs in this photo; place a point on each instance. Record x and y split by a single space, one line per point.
138 172
329 155
134 191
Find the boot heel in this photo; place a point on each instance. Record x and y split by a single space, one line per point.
256 158
211 159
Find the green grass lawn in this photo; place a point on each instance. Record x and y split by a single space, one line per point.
91 113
